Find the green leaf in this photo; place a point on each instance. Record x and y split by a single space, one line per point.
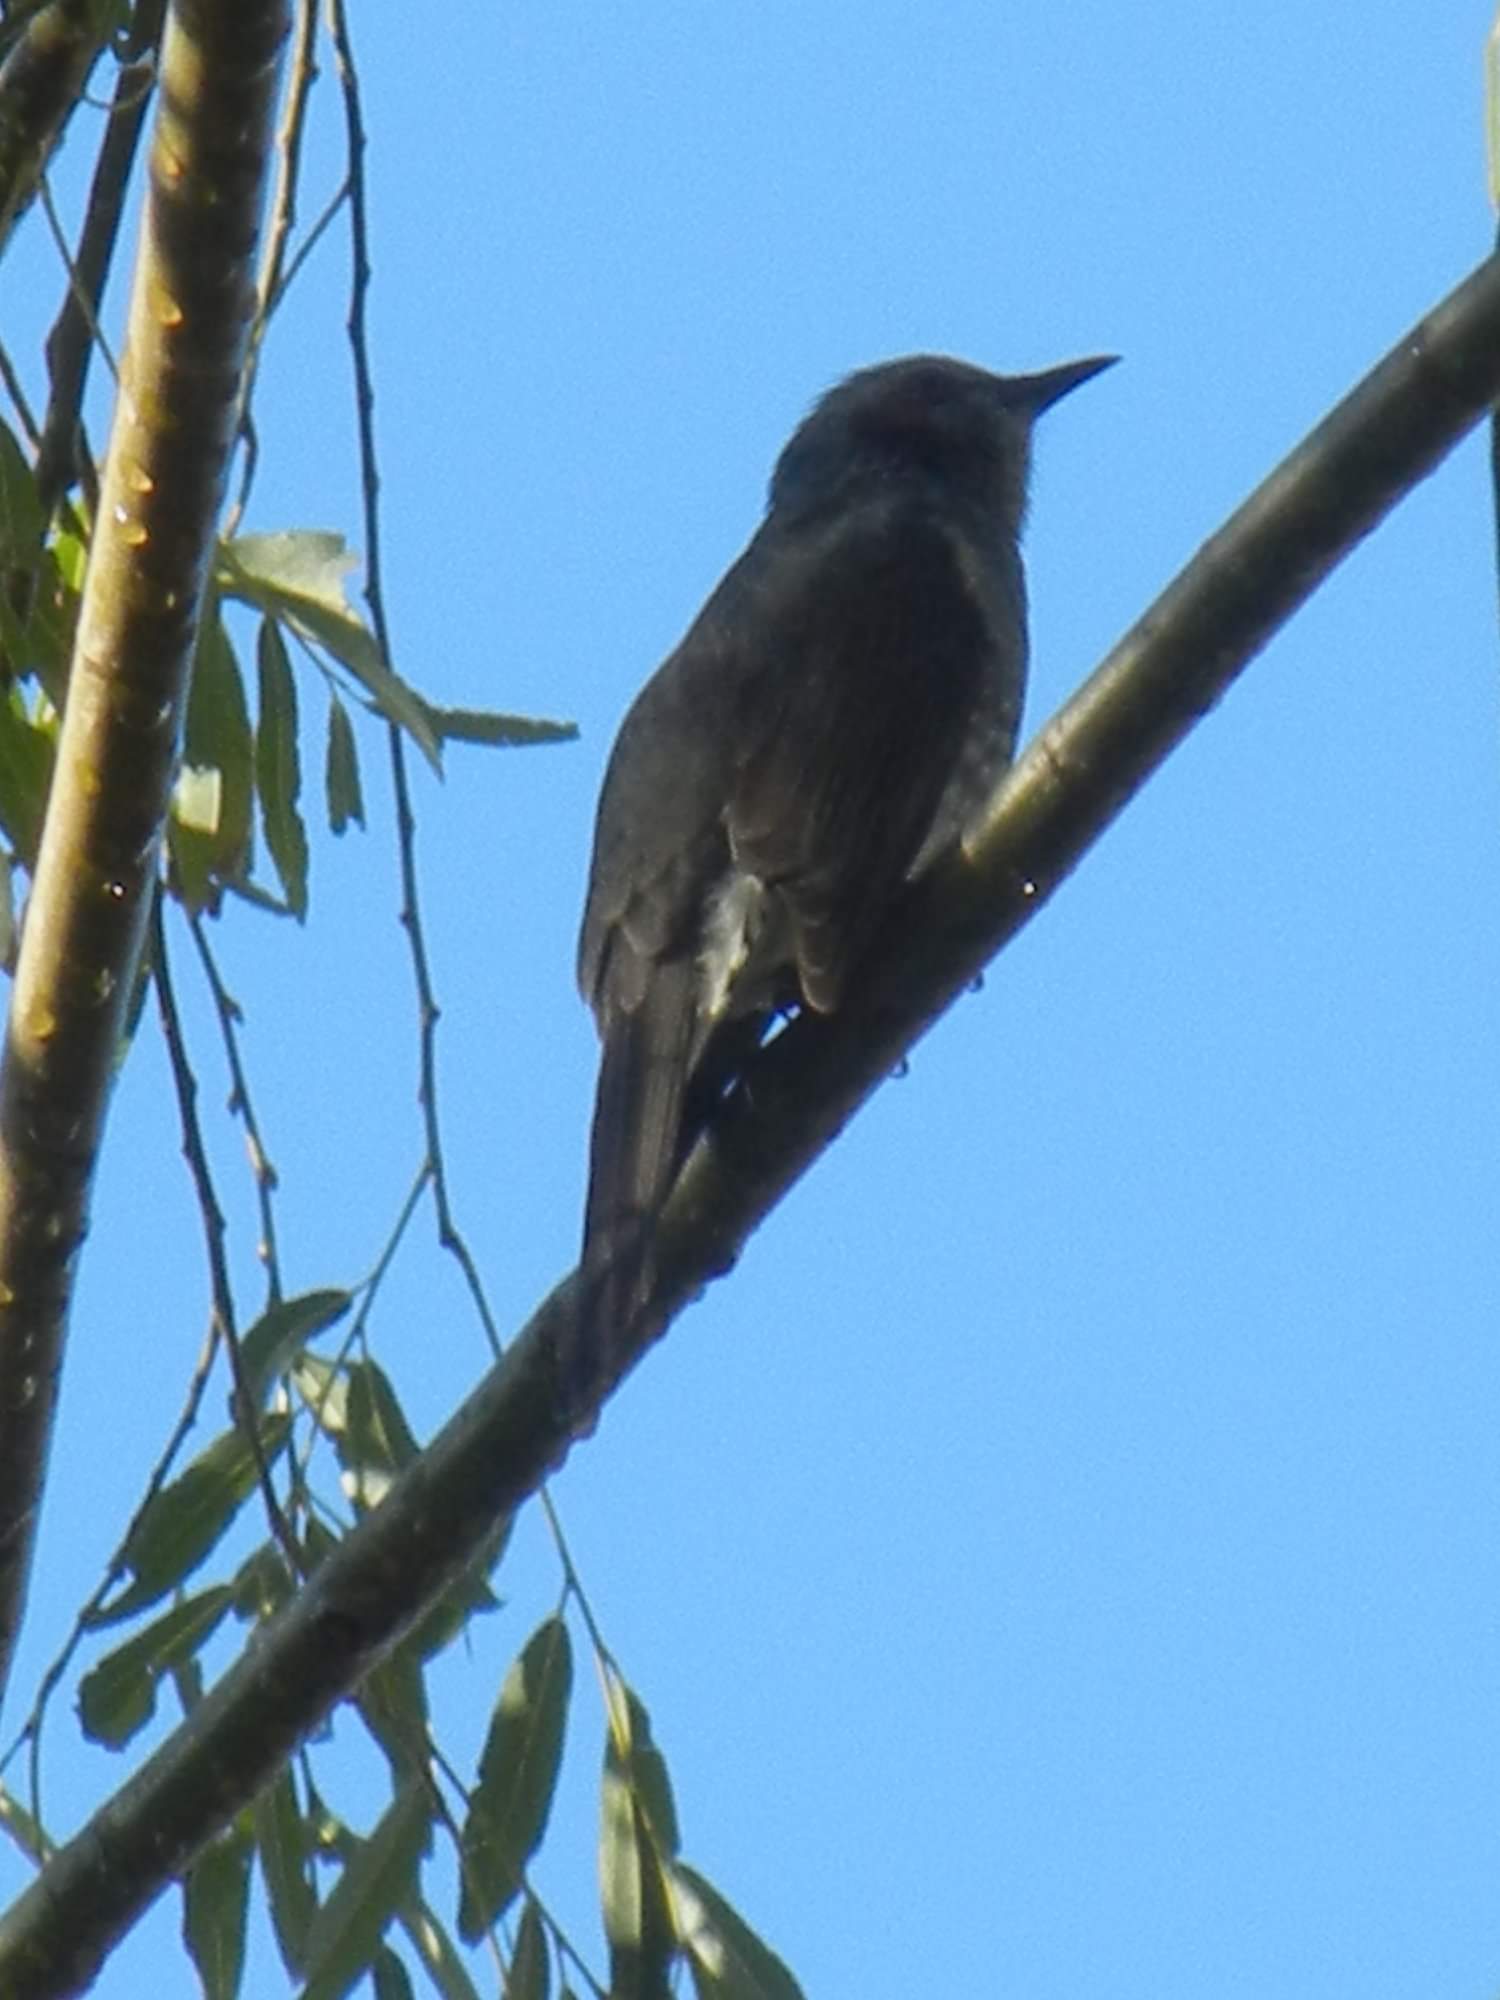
341 774
378 1441
468 1593
262 1583
21 522
393 1702
298 577
24 1830
729 1961
281 1330
355 1405
378 1880
643 1765
517 1776
118 1696
638 1831
285 1846
439 1956
38 612
215 1902
528 1976
390 1977
209 829
182 1523
278 766
484 725
27 752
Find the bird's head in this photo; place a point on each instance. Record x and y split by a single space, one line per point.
922 421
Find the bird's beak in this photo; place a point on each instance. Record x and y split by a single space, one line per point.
1040 392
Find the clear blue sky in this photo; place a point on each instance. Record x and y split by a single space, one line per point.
1065 1556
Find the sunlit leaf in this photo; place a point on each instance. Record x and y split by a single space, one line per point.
23 1830
280 1331
632 1854
278 766
27 751
262 1584
634 1749
217 757
118 1696
377 1440
298 577
728 1960
356 1406
517 1776
215 1903
436 1950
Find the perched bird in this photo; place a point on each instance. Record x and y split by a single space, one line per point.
846 697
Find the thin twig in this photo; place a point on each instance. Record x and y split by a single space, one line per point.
214 1231
449 1236
262 1172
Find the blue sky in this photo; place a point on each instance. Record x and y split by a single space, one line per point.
1064 1554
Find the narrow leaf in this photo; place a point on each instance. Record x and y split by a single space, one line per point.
378 1880
437 1951
299 577
118 1696
23 1829
637 1916
212 848
345 799
729 1961
529 1976
378 1441
285 1844
27 751
484 725
278 766
262 1584
215 1903
517 1776
638 1836
279 1332
643 1765
21 521
182 1524
390 1977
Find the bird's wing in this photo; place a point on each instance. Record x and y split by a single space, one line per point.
877 648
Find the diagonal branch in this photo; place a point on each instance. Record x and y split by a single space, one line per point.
163 484
494 1453
41 81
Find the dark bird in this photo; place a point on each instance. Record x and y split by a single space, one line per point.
842 703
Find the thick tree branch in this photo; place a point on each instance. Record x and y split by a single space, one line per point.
163 484
496 1450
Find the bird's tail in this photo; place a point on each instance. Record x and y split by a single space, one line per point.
639 1138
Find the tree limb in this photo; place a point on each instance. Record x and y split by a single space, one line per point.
40 83
1070 784
163 483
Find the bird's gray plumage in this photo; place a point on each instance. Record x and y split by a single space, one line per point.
848 694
